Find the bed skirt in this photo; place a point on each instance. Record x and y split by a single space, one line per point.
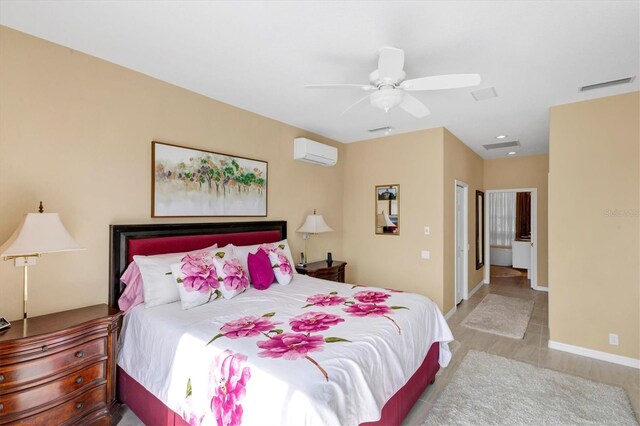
152 411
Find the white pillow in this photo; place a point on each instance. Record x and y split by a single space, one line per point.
282 268
242 252
158 284
232 279
196 277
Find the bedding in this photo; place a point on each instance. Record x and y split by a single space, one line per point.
314 352
132 294
260 270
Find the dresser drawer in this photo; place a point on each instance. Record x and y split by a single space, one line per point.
76 411
41 395
24 372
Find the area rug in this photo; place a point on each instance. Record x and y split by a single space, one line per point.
502 315
506 272
492 390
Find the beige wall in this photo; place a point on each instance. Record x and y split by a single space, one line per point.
76 132
414 161
460 163
594 230
525 172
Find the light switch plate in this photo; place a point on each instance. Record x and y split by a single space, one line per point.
427 231
613 339
425 254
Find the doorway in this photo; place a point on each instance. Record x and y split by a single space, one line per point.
461 244
517 249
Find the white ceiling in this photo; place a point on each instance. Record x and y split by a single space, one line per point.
258 55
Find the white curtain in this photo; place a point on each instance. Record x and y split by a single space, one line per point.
502 218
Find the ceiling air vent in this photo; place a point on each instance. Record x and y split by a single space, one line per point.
386 129
607 83
484 94
501 145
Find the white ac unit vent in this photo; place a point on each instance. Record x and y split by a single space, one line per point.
314 152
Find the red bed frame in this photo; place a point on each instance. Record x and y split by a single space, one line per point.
130 240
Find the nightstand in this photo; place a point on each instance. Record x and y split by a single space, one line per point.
333 272
61 369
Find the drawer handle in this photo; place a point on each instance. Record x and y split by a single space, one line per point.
1 378
79 354
45 348
1 406
79 405
80 379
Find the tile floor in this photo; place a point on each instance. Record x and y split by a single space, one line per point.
532 349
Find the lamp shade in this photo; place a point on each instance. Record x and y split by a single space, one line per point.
315 224
39 233
382 219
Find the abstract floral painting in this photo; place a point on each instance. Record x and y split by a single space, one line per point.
192 182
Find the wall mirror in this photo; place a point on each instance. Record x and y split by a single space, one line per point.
479 229
387 209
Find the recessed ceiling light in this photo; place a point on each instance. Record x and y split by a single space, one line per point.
501 136
512 153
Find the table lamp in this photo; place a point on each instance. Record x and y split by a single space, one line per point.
37 234
314 224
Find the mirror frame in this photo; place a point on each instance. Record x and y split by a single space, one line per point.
397 199
480 219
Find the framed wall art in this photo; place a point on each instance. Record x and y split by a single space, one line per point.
188 182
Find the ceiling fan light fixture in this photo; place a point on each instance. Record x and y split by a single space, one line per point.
385 99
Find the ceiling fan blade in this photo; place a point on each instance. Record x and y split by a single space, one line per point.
413 106
390 63
355 104
440 82
339 86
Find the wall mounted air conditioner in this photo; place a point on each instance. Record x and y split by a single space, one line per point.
314 152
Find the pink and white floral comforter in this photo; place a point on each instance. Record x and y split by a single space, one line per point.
313 352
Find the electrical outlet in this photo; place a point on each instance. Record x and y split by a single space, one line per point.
614 339
427 231
24 261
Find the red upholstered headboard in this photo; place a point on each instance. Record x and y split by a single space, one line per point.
130 240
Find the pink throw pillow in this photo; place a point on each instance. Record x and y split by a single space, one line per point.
132 294
260 270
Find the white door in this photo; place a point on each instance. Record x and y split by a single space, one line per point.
460 243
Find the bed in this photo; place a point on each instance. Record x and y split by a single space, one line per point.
169 356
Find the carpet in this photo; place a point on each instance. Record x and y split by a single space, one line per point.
502 315
492 390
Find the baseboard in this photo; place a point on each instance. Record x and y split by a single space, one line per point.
540 288
476 288
590 353
451 312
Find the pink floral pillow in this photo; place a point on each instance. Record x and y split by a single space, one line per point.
281 267
132 294
232 277
197 278
260 270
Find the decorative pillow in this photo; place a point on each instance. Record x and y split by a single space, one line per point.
232 278
281 267
196 278
242 252
260 270
158 284
133 294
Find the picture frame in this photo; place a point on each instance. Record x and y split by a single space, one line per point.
480 248
192 182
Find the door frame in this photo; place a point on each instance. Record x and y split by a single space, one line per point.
534 234
465 238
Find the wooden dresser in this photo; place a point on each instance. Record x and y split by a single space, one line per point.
60 369
321 269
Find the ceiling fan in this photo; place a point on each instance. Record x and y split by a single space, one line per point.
389 87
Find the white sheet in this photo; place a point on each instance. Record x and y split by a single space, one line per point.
165 347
